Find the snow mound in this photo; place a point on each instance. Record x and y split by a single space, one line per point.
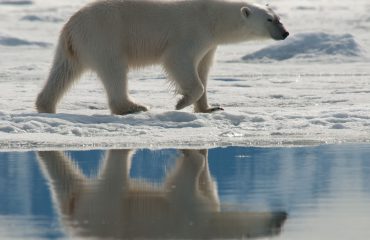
309 46
14 42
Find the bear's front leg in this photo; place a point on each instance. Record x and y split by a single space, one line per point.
185 76
201 106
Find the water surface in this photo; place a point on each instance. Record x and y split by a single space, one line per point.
225 193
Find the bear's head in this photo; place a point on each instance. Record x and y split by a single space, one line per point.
262 22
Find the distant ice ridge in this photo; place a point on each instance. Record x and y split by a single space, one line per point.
35 18
16 2
311 45
14 42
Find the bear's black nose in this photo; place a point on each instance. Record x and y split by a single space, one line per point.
285 35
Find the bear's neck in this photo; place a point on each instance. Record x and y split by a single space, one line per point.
227 25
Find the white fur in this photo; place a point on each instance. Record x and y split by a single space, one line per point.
115 206
112 36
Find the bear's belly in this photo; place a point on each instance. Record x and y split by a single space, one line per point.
143 53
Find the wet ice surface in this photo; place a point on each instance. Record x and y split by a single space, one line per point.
320 93
224 193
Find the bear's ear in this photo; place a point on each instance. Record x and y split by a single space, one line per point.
245 11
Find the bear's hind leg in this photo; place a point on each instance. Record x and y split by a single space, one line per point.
203 69
187 81
113 74
62 74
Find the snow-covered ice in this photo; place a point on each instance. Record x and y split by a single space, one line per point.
312 88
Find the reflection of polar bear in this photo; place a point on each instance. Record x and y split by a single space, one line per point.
110 37
115 206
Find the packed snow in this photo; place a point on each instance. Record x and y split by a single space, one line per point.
311 88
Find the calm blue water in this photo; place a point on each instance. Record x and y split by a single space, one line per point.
226 193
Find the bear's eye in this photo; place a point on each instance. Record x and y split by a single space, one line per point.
270 20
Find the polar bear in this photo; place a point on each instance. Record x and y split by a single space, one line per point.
112 36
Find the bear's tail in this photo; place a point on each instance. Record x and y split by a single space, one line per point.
65 70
